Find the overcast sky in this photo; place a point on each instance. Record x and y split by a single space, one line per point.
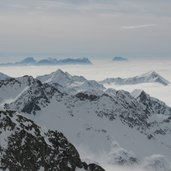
92 28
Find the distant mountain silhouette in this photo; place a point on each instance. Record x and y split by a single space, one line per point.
49 61
119 58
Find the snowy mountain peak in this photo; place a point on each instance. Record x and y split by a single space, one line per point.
153 76
59 76
151 73
60 73
149 77
151 104
70 83
136 93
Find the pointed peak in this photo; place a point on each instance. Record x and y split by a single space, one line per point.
137 92
153 76
153 73
61 72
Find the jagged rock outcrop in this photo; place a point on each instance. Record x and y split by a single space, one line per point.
26 146
151 104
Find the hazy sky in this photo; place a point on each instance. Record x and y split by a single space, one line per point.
92 28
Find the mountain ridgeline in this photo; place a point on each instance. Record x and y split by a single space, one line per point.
90 115
150 77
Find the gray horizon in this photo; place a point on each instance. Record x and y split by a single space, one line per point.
76 28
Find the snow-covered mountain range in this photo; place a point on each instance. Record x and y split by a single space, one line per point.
150 77
93 117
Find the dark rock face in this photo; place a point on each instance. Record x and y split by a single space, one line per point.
84 96
153 105
10 81
94 167
36 96
25 146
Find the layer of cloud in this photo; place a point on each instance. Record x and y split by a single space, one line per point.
138 26
122 160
